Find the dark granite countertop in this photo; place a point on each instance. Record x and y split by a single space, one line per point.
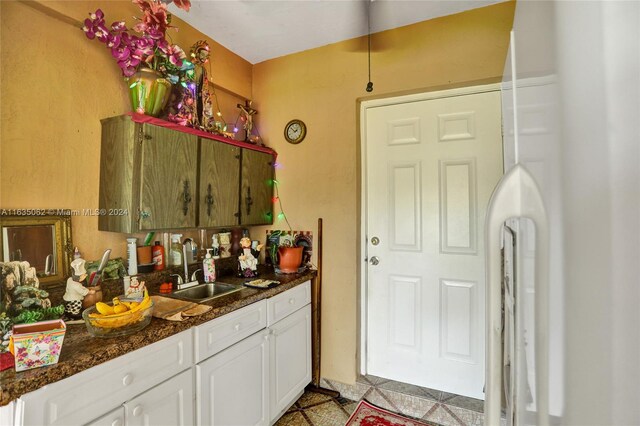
81 351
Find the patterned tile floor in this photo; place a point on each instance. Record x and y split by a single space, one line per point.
316 409
413 401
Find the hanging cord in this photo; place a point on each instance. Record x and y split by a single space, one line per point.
276 184
370 83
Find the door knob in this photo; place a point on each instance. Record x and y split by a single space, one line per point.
374 260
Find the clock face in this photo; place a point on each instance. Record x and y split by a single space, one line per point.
295 131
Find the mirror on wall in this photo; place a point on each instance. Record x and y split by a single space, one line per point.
42 240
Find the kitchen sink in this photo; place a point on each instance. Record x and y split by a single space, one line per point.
207 291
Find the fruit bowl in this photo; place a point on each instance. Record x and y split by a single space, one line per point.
118 324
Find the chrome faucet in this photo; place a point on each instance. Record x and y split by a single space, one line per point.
184 257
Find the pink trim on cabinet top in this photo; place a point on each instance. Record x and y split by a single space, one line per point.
142 118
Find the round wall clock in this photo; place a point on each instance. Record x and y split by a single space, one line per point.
295 131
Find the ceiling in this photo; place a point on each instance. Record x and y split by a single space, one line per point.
258 30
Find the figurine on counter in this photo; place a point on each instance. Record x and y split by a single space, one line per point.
136 289
75 291
248 260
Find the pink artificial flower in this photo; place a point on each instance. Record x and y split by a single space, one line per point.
129 66
118 26
174 53
113 40
94 25
120 52
182 4
154 17
154 33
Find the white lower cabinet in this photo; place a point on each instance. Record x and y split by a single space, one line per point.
170 403
252 365
254 381
113 418
232 386
290 353
83 397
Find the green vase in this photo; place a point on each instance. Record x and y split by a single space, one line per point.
149 92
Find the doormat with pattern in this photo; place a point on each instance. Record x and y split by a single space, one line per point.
367 414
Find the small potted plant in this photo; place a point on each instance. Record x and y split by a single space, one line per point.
284 253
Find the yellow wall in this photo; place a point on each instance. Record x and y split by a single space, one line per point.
320 176
56 85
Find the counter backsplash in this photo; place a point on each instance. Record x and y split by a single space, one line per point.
115 287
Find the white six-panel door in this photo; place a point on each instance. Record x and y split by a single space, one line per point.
431 167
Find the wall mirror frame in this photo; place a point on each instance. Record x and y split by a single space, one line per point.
30 228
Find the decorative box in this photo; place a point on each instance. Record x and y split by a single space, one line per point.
38 344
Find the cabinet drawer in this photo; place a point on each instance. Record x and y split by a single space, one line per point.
77 399
229 329
288 302
114 418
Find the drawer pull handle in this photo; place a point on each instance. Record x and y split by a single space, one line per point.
236 327
292 301
137 412
127 379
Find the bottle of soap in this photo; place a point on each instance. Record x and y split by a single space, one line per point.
158 256
176 250
215 243
209 268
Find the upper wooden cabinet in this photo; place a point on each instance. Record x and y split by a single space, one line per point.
256 195
219 180
152 177
168 173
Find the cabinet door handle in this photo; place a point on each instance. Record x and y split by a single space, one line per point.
127 380
137 412
186 197
209 200
248 201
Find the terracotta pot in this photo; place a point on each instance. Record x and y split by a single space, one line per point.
290 259
149 92
91 299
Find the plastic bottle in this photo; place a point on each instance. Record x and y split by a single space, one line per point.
209 268
158 256
132 255
176 250
215 246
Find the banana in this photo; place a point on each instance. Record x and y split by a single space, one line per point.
108 316
120 308
104 309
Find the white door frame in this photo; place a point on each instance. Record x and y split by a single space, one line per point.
362 252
